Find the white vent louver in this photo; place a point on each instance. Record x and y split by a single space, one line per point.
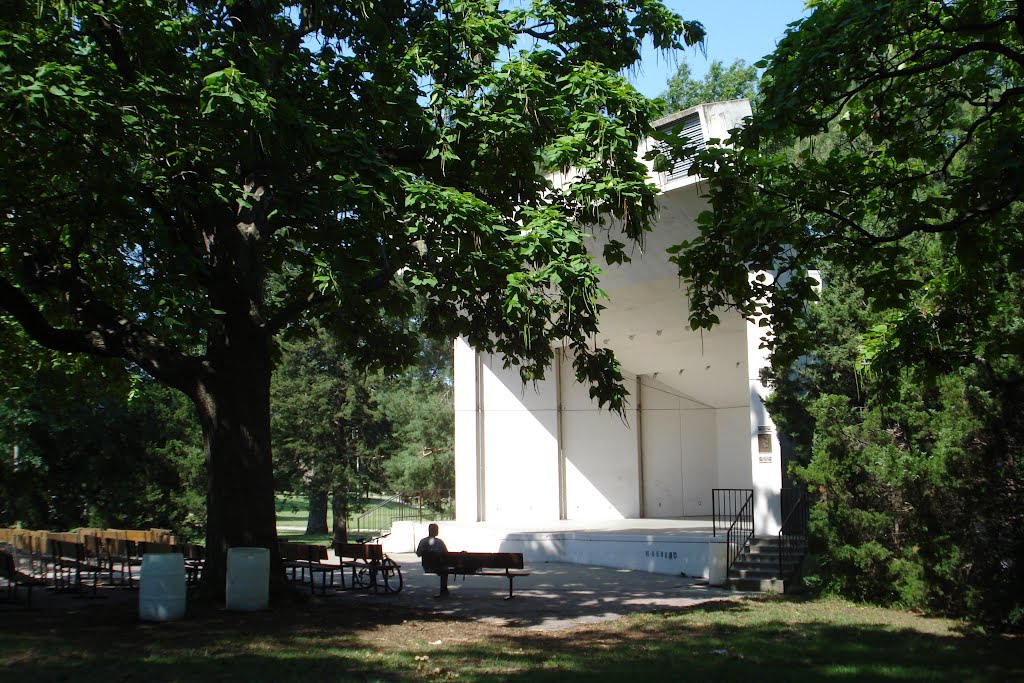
689 127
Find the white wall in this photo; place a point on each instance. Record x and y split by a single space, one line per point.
687 555
600 449
466 432
679 452
687 448
699 451
520 446
766 467
733 448
661 425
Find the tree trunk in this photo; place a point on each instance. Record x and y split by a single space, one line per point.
234 405
339 507
316 523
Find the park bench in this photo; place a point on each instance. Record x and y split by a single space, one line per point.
72 561
193 554
476 564
312 558
10 573
371 568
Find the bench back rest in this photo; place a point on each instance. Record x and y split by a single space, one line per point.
67 550
302 552
472 562
136 536
360 551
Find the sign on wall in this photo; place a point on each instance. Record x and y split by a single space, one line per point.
764 444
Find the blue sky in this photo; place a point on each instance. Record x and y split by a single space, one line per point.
737 29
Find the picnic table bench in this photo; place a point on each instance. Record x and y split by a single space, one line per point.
476 564
303 557
14 577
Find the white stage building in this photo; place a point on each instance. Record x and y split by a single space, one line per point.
541 469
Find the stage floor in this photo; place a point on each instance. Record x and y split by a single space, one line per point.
677 527
663 546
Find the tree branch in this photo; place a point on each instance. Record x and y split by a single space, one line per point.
116 338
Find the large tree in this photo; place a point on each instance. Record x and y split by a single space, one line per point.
887 151
162 160
878 120
919 477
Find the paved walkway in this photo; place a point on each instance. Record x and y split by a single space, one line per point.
554 596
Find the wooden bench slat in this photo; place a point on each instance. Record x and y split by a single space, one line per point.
474 564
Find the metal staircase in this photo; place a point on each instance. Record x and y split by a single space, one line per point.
766 564
759 568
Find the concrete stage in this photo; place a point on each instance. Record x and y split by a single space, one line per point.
684 546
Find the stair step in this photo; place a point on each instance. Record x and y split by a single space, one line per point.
753 584
757 567
773 569
771 552
755 573
765 558
773 543
770 557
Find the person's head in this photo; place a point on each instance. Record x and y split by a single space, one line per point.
432 530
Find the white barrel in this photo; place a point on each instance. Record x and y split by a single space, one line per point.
162 587
248 582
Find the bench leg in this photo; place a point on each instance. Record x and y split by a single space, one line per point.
510 579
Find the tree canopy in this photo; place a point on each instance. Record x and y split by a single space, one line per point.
183 182
918 477
879 120
886 151
720 83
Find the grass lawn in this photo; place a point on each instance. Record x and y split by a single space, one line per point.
774 639
292 513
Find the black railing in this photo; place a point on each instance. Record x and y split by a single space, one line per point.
430 505
725 504
425 505
793 531
740 532
374 521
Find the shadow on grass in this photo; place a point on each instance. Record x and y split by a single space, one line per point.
770 639
104 641
724 641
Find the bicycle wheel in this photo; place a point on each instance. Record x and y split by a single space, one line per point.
392 574
362 576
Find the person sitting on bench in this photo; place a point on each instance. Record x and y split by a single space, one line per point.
431 549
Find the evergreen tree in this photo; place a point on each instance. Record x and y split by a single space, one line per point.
329 433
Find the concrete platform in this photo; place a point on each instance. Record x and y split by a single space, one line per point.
677 547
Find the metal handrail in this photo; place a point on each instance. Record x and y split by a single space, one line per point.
417 509
725 504
793 531
358 522
740 533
